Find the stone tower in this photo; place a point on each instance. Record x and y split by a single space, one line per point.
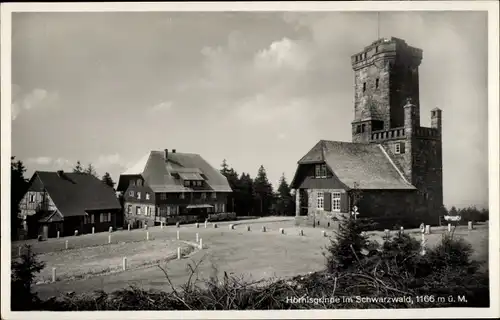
387 112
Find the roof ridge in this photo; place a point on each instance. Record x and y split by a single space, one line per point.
393 164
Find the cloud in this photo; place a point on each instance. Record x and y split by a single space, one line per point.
163 106
284 53
109 160
38 98
40 161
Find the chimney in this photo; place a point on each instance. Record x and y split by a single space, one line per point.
166 155
173 150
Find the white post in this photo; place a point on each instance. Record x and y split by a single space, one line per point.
76 232
109 239
53 274
282 231
201 243
177 224
66 245
147 235
124 263
301 232
93 230
231 226
428 229
197 238
178 253
423 245
178 235
470 225
129 227
59 234
197 225
449 227
402 229
206 221
110 229
324 233
161 224
263 228
248 228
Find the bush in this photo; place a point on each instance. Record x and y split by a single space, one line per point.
24 271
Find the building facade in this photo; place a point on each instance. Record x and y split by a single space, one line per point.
386 132
172 187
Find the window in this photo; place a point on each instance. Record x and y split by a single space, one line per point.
131 193
147 195
214 195
163 196
320 201
138 210
203 195
376 83
139 182
138 195
222 207
92 218
321 171
364 86
336 201
399 148
32 197
132 182
146 211
363 127
86 219
129 208
105 217
186 183
181 195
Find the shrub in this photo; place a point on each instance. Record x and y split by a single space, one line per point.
23 276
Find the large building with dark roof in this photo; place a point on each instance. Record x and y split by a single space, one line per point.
68 201
169 187
392 169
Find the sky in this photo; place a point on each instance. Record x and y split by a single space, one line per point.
254 88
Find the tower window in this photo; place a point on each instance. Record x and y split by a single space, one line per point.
376 83
364 86
399 148
363 127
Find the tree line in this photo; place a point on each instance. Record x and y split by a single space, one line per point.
256 196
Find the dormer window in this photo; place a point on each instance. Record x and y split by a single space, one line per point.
32 197
214 195
131 193
320 170
132 182
199 183
147 196
181 196
139 182
186 183
203 195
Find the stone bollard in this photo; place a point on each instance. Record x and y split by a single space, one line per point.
197 225
215 225
231 226
161 224
248 228
402 229
146 227
177 224
201 243
324 233
110 229
53 274
58 234
301 232
470 226
129 227
93 230
178 235
197 238
282 231
66 244
206 222
428 229
178 253
449 227
76 232
263 228
147 235
109 239
124 265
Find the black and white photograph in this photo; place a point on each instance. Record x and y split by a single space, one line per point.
281 159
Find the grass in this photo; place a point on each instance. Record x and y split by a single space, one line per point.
254 255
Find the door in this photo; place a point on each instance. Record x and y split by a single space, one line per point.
45 231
